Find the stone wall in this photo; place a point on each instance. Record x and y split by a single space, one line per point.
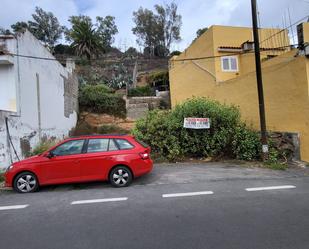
138 107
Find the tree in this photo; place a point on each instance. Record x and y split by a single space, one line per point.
45 26
145 28
157 31
131 52
63 49
19 26
88 38
106 29
169 23
5 31
201 31
85 40
175 52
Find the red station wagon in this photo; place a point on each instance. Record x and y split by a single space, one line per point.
117 158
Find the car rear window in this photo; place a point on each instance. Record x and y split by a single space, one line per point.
124 144
142 143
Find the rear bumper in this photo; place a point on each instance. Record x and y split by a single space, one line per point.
144 168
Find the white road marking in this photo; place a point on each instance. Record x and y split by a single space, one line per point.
271 188
99 200
187 194
13 207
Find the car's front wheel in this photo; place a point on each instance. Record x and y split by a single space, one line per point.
120 176
25 182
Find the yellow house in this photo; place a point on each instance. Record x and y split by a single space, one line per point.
220 65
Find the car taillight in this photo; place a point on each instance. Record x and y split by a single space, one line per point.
144 155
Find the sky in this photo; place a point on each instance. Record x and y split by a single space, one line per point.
195 14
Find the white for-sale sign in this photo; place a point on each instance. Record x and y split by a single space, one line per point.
196 123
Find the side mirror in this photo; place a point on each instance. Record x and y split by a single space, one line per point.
50 155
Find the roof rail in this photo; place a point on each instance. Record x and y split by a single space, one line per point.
98 135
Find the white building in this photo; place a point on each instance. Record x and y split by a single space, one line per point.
38 96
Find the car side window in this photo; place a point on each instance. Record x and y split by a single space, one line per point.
112 145
124 144
97 145
69 148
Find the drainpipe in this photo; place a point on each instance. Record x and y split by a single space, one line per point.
18 80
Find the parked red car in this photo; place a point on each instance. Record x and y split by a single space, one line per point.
117 158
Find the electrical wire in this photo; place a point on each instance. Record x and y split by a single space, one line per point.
10 139
96 59
282 30
231 54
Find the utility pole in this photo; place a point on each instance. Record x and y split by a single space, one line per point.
259 80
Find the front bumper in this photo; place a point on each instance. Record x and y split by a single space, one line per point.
8 179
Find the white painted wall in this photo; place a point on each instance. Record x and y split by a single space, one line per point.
24 123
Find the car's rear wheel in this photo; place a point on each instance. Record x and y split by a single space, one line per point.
120 176
25 182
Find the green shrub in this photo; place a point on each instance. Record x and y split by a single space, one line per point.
101 99
163 105
176 52
160 78
228 136
141 91
246 143
164 131
42 147
160 131
1 177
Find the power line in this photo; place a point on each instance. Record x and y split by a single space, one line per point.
34 57
291 25
199 58
232 54
186 59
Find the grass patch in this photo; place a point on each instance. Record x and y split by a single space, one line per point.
1 177
276 166
42 147
157 158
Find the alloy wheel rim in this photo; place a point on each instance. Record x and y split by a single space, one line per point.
120 177
26 183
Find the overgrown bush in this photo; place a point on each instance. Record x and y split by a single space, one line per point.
245 143
42 147
176 52
160 78
227 136
101 99
141 91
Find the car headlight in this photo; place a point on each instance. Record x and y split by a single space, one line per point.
9 168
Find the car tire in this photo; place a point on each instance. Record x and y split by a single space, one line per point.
120 176
26 182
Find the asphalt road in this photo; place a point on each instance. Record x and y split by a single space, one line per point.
182 207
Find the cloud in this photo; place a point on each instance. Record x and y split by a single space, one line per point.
195 13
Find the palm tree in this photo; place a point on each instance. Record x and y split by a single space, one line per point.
84 37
